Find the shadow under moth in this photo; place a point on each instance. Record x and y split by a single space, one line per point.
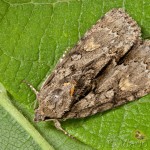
108 67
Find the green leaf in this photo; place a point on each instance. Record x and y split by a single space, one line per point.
33 36
13 126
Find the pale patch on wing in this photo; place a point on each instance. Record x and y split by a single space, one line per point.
90 45
126 85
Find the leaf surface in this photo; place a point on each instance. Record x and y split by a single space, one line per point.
33 36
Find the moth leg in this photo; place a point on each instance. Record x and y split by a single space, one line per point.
58 126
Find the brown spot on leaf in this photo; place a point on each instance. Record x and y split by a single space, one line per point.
139 135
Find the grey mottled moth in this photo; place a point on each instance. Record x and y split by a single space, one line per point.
108 67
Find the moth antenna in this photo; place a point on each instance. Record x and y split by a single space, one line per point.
31 87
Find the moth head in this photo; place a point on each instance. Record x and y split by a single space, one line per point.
38 116
57 101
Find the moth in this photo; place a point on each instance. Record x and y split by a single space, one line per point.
108 67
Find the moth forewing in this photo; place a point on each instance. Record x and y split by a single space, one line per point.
109 39
125 82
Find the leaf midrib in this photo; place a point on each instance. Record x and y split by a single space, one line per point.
13 111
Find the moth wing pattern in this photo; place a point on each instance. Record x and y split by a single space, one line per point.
124 83
74 77
126 30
